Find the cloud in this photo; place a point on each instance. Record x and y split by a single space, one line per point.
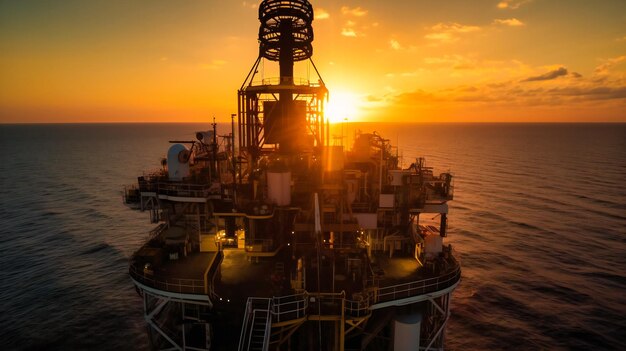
512 4
576 75
576 91
353 11
250 4
591 92
215 64
451 61
321 14
394 44
511 94
511 22
449 32
503 85
471 65
561 71
498 93
454 28
348 32
443 37
608 64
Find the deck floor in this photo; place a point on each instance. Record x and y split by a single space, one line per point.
399 269
241 278
191 267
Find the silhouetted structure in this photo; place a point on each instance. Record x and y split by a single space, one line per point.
272 238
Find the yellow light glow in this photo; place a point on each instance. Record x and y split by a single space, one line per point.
342 106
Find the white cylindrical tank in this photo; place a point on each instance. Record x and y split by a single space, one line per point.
406 335
178 162
279 188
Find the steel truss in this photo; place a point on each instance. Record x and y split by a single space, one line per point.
441 315
170 318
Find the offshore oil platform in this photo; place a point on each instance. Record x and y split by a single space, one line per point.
272 238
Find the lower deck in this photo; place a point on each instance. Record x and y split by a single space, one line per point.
191 274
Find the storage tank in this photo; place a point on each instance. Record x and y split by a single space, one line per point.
407 332
279 188
178 162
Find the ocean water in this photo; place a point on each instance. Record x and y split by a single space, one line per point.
538 219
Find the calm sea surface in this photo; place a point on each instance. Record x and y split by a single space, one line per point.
539 220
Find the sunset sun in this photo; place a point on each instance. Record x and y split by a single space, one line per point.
342 106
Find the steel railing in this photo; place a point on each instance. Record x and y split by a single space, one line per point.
286 308
277 81
183 286
419 287
260 245
160 186
293 307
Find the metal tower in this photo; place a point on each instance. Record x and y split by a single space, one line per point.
282 114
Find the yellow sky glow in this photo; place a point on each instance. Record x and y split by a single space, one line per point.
407 61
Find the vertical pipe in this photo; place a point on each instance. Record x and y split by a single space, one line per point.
342 325
182 304
239 116
232 121
380 171
444 225
214 169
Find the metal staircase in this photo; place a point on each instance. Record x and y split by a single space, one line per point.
257 325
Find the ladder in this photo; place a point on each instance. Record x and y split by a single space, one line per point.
257 324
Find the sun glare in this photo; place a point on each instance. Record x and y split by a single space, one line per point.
342 106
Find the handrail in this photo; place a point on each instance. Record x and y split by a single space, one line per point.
175 188
265 245
244 327
358 308
268 328
183 286
254 306
418 287
277 81
293 307
283 310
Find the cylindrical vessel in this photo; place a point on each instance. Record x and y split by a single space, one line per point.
406 335
178 162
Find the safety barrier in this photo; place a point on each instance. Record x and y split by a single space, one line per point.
176 285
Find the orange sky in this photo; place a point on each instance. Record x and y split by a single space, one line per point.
403 60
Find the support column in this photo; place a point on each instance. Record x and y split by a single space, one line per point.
342 325
444 225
